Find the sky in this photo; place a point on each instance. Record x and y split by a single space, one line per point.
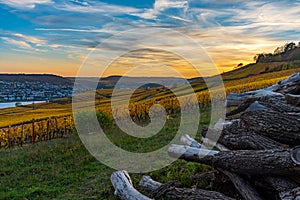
57 36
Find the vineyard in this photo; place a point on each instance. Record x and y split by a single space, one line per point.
36 131
141 101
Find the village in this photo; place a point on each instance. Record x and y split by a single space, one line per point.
32 91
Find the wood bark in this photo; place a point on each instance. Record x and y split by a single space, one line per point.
250 141
164 190
124 188
283 104
293 99
249 162
284 128
244 187
290 85
291 195
234 138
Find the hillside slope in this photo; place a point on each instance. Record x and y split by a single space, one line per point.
42 78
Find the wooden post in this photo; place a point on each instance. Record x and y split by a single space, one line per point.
8 138
21 135
33 133
65 124
56 126
48 131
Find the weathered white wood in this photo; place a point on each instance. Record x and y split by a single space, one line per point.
124 188
208 142
287 86
187 140
149 184
179 150
234 99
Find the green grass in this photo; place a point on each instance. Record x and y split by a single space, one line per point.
63 168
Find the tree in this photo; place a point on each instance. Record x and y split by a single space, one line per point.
289 46
239 66
259 57
279 50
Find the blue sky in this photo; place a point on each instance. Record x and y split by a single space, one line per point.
51 36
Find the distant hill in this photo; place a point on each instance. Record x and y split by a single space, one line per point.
284 58
129 82
42 78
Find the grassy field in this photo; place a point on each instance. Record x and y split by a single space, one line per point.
63 168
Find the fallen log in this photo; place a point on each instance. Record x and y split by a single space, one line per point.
165 190
281 127
234 99
283 104
290 85
280 184
258 142
234 138
211 177
248 162
291 195
244 187
124 188
293 99
250 141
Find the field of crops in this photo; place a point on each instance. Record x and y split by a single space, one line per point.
36 131
53 120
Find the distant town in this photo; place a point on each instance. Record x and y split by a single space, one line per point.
32 91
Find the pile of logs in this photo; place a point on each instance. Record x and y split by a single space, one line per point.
257 150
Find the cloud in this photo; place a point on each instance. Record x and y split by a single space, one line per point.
95 7
33 40
161 6
24 42
20 44
75 30
24 4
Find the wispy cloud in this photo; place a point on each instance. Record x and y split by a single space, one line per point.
95 7
30 39
162 5
20 44
25 42
25 4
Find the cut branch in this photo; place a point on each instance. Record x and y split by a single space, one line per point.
171 192
124 188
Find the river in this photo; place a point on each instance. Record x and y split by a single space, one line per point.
13 104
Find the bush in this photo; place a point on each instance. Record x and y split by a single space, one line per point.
105 120
85 121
